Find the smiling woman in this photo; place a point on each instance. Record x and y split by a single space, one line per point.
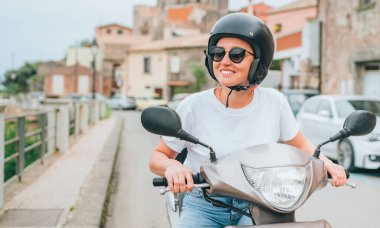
238 113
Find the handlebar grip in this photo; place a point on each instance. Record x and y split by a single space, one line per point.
161 181
347 175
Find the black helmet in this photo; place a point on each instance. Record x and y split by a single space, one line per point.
252 30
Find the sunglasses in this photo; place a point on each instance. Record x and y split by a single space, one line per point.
236 54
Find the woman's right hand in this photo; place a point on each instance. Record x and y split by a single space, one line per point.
180 178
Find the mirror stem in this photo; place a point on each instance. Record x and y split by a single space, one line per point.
212 152
318 149
344 133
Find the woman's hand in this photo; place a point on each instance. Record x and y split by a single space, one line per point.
337 173
180 178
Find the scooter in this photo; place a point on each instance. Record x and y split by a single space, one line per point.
275 179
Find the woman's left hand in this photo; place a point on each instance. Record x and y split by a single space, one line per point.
337 173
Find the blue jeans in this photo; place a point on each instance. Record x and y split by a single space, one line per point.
197 212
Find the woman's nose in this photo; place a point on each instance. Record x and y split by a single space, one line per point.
226 60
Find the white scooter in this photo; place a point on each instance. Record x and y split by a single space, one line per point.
275 179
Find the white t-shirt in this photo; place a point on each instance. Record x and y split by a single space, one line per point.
267 119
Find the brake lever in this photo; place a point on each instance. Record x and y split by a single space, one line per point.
166 189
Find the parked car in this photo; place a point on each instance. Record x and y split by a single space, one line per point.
85 97
324 115
146 101
173 103
122 102
296 97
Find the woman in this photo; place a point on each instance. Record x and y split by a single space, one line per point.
236 114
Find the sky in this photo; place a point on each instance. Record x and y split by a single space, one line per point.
42 30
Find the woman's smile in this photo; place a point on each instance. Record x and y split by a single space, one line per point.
227 73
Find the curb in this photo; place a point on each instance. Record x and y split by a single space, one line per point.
89 207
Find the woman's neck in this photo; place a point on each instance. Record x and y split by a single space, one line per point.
237 99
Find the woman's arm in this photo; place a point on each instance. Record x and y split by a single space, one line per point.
336 171
162 163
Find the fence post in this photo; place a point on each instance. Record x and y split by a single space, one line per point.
3 104
43 136
84 116
21 146
78 106
51 121
94 112
63 122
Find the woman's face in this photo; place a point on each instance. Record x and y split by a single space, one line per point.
227 72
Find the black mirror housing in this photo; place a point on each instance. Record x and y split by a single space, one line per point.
360 123
161 121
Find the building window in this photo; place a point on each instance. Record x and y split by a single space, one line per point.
109 31
147 63
119 31
175 65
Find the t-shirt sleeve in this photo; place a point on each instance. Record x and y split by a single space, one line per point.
288 124
184 112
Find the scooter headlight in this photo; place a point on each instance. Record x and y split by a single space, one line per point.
285 188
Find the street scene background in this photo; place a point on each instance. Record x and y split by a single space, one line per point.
76 75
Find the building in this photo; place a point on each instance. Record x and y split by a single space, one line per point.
173 18
44 69
65 80
113 40
260 10
296 33
350 47
163 67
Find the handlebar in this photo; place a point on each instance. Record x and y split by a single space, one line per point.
161 181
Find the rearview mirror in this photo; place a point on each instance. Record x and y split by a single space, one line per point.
161 121
360 123
357 123
165 121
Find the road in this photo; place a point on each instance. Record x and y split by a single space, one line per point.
136 203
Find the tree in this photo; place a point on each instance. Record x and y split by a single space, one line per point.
200 77
16 81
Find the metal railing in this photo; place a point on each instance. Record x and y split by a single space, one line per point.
31 137
26 141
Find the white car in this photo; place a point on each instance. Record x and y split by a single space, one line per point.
122 102
143 102
323 116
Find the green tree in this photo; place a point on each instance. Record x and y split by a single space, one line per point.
200 76
16 81
276 65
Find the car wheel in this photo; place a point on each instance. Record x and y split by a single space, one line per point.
346 155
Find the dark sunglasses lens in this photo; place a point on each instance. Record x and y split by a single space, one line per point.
217 54
236 55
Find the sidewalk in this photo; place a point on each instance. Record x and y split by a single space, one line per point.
71 192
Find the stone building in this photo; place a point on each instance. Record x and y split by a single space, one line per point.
350 46
173 18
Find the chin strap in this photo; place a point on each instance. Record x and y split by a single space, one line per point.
237 88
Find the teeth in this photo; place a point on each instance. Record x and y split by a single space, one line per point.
227 72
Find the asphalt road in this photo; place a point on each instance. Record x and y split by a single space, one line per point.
136 203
